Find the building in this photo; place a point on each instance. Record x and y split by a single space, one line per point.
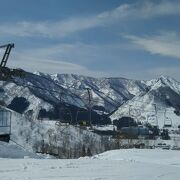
5 124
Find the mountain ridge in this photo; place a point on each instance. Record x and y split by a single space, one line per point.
45 91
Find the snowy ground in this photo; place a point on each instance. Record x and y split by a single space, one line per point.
129 164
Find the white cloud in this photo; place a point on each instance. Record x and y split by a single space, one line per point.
54 59
80 53
78 58
166 44
28 62
62 28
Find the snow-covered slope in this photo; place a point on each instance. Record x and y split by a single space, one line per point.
35 92
54 138
40 93
120 164
107 92
154 156
156 106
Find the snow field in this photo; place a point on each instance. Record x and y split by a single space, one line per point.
129 164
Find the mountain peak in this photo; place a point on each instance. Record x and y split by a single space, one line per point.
166 78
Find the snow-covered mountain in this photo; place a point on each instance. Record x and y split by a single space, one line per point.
109 93
159 105
41 95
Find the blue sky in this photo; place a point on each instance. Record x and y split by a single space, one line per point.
133 39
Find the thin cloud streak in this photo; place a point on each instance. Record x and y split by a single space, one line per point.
50 62
165 44
32 63
65 27
84 54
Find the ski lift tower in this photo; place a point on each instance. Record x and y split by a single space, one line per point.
89 105
8 48
5 72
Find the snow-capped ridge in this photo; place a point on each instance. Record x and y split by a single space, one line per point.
45 91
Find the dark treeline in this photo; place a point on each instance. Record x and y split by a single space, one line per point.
73 115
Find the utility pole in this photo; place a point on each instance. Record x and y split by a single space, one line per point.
155 108
89 103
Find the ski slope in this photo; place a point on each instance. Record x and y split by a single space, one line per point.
131 164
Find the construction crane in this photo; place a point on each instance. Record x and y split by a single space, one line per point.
5 72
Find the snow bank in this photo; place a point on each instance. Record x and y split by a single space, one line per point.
154 156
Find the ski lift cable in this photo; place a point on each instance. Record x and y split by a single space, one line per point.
33 86
74 94
48 90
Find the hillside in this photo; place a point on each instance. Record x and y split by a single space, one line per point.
157 106
53 138
65 96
